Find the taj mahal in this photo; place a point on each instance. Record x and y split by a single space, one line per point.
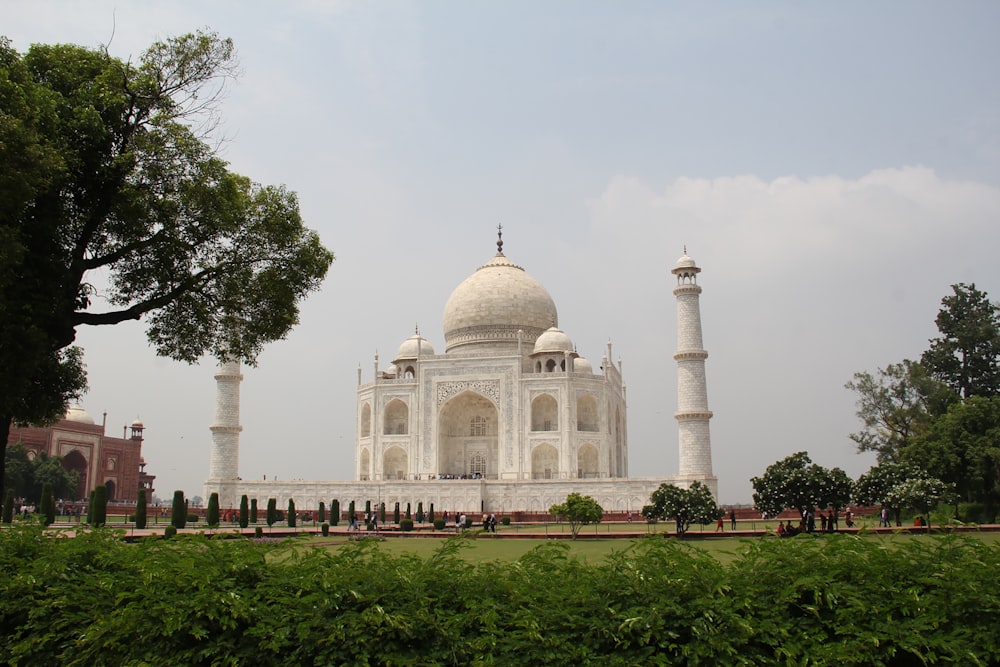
509 418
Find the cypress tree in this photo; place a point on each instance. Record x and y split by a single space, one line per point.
321 517
430 514
395 513
408 511
291 513
8 506
334 512
99 511
272 511
253 511
381 513
212 516
178 511
420 512
48 506
244 511
140 509
90 506
368 508
350 512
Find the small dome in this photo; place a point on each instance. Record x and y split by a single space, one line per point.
76 413
685 262
553 340
581 365
137 423
413 347
685 266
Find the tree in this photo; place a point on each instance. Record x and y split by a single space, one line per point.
272 511
963 449
253 511
178 511
796 482
876 487
896 405
291 513
430 513
244 516
334 512
26 476
321 515
140 509
212 515
108 178
685 506
579 510
395 513
921 495
966 356
420 512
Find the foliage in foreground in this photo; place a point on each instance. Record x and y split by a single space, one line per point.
198 601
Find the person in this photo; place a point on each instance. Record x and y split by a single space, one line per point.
628 516
822 522
719 526
849 518
732 519
781 529
493 523
375 521
883 519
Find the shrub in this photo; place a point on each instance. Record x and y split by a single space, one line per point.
140 510
212 516
291 513
272 511
169 531
395 514
48 505
178 511
430 514
258 531
244 511
505 521
99 508
972 513
406 525
438 524
334 512
325 529
420 512
253 511
321 516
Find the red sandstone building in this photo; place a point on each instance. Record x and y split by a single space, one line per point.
98 458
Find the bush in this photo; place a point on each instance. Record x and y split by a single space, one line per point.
972 513
212 515
140 510
169 531
192 517
325 529
406 525
244 517
438 524
258 531
178 511
291 513
505 521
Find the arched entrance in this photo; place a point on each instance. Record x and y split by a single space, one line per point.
544 462
74 462
467 437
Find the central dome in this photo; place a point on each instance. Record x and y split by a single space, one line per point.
485 312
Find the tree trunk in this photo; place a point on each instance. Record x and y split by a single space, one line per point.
5 422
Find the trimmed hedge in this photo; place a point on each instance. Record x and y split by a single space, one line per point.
196 601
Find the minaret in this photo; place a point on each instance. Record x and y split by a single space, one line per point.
223 472
695 444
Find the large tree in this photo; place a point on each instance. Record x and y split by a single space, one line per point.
685 506
795 482
895 405
966 356
114 207
963 448
27 475
886 484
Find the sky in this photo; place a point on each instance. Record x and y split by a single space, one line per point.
833 168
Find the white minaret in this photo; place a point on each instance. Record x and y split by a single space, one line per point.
223 472
695 443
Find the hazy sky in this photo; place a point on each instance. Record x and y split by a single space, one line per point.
832 167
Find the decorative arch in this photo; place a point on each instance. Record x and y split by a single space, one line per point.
468 440
397 417
394 463
544 413
586 413
544 462
112 489
587 459
366 420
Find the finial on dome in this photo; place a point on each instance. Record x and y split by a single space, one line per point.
499 239
685 248
416 329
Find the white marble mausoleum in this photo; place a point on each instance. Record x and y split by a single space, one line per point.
508 418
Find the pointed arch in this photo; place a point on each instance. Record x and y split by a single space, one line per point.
394 463
586 413
366 420
588 461
397 417
544 413
544 462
